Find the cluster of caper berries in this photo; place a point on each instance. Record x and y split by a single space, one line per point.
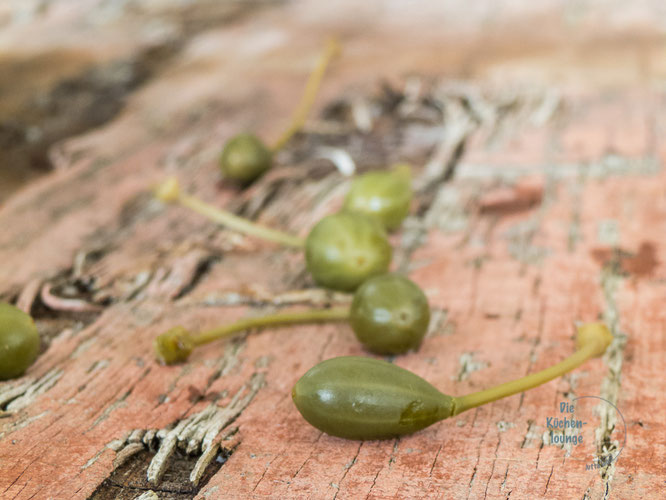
389 315
19 341
245 157
343 249
363 398
355 397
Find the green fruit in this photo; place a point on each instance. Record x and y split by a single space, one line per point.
385 195
19 341
343 250
363 398
389 314
245 158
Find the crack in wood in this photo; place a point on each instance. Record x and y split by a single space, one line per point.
434 462
610 386
492 469
506 474
476 465
394 452
530 434
203 267
119 402
535 344
347 468
552 468
374 481
307 459
468 365
264 473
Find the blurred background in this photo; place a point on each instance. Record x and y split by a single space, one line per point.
68 68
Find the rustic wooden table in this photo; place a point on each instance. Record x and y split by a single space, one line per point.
537 136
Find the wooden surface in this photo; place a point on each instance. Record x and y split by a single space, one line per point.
537 137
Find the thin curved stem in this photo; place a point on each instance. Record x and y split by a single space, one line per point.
239 224
311 88
464 403
289 318
593 340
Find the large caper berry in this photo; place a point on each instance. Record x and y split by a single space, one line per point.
344 249
389 314
385 195
245 158
19 341
364 398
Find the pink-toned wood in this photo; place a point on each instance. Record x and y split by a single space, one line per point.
555 214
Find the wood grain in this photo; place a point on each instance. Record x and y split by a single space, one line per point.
541 202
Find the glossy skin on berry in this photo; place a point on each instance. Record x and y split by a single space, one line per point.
389 314
343 250
385 195
19 342
245 158
364 398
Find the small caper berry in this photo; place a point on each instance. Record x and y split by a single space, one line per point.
364 398
245 158
385 195
19 341
389 314
344 249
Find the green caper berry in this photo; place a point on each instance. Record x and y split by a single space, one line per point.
385 195
19 341
389 314
174 346
245 158
343 250
364 398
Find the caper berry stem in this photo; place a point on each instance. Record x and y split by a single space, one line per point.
312 86
286 318
177 343
169 191
592 341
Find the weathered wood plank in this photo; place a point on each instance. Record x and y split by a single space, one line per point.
539 205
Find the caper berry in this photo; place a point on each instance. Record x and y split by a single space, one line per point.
344 249
389 314
364 398
385 195
341 251
19 341
245 158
